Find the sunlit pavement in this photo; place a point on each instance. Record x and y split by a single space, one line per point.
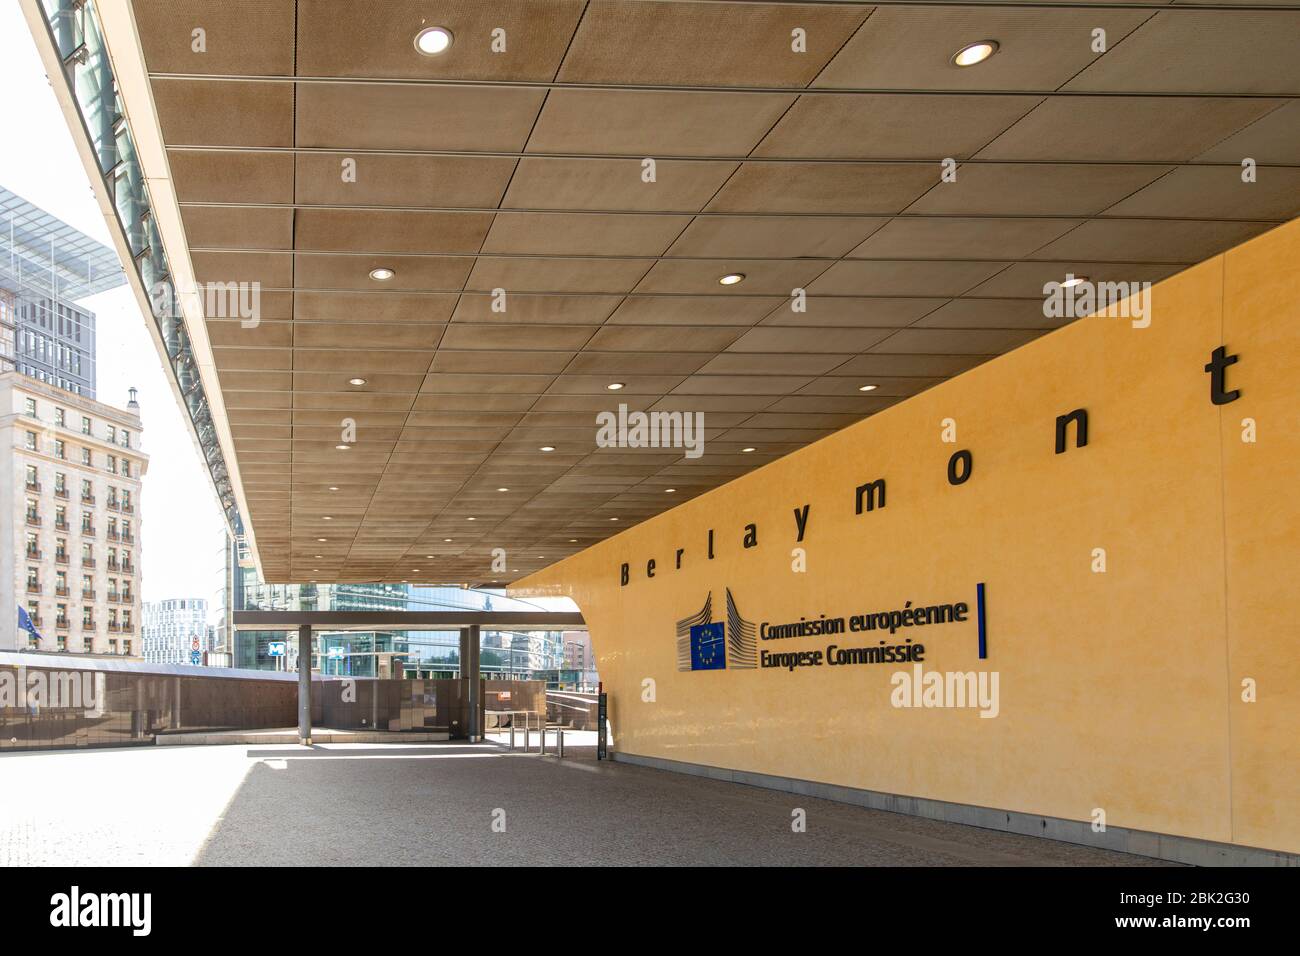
436 804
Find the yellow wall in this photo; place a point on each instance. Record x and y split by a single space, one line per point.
1119 690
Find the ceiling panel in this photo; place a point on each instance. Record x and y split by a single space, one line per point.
557 216
912 47
876 126
706 44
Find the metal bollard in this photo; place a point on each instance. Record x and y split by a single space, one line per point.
541 739
512 734
526 731
559 742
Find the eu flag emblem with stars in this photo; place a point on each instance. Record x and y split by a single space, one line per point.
708 647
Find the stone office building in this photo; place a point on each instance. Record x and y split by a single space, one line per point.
70 479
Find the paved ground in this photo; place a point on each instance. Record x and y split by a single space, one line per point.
436 804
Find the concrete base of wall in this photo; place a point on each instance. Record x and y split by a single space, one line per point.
291 737
1177 849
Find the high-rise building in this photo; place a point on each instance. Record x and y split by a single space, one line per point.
46 268
70 478
176 631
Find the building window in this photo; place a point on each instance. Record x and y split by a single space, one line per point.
60 484
126 438
126 468
31 408
33 481
85 457
112 435
60 417
85 425
60 450
31 441
87 492
112 464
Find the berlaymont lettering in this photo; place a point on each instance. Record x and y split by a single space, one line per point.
870 496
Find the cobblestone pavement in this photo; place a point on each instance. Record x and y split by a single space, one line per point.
440 804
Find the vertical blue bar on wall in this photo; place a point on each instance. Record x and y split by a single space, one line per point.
979 613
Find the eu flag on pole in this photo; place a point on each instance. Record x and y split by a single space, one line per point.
708 647
25 623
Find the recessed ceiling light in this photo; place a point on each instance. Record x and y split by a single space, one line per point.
326 518
573 541
732 278
319 555
613 519
1071 281
415 570
382 274
669 490
503 489
322 540
448 540
614 386
432 41
547 448
334 487
471 519
342 447
747 450
867 388
356 381
974 53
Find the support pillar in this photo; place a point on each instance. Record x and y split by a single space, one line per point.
304 684
469 654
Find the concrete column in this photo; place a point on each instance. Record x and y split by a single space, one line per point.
304 684
469 669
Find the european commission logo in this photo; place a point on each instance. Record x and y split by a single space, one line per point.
704 644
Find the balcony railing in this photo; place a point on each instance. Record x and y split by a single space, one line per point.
128 509
114 627
61 623
128 568
87 625
36 619
88 499
112 597
111 504
61 591
33 587
61 493
87 562
128 537
112 535
113 565
34 486
88 594
128 627
61 557
34 553
89 531
33 519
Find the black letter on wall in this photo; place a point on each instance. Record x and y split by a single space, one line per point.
870 489
1218 369
623 575
967 462
801 521
1080 418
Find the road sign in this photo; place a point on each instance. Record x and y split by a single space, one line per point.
275 649
194 643
334 653
195 657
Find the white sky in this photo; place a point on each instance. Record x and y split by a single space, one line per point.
181 529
